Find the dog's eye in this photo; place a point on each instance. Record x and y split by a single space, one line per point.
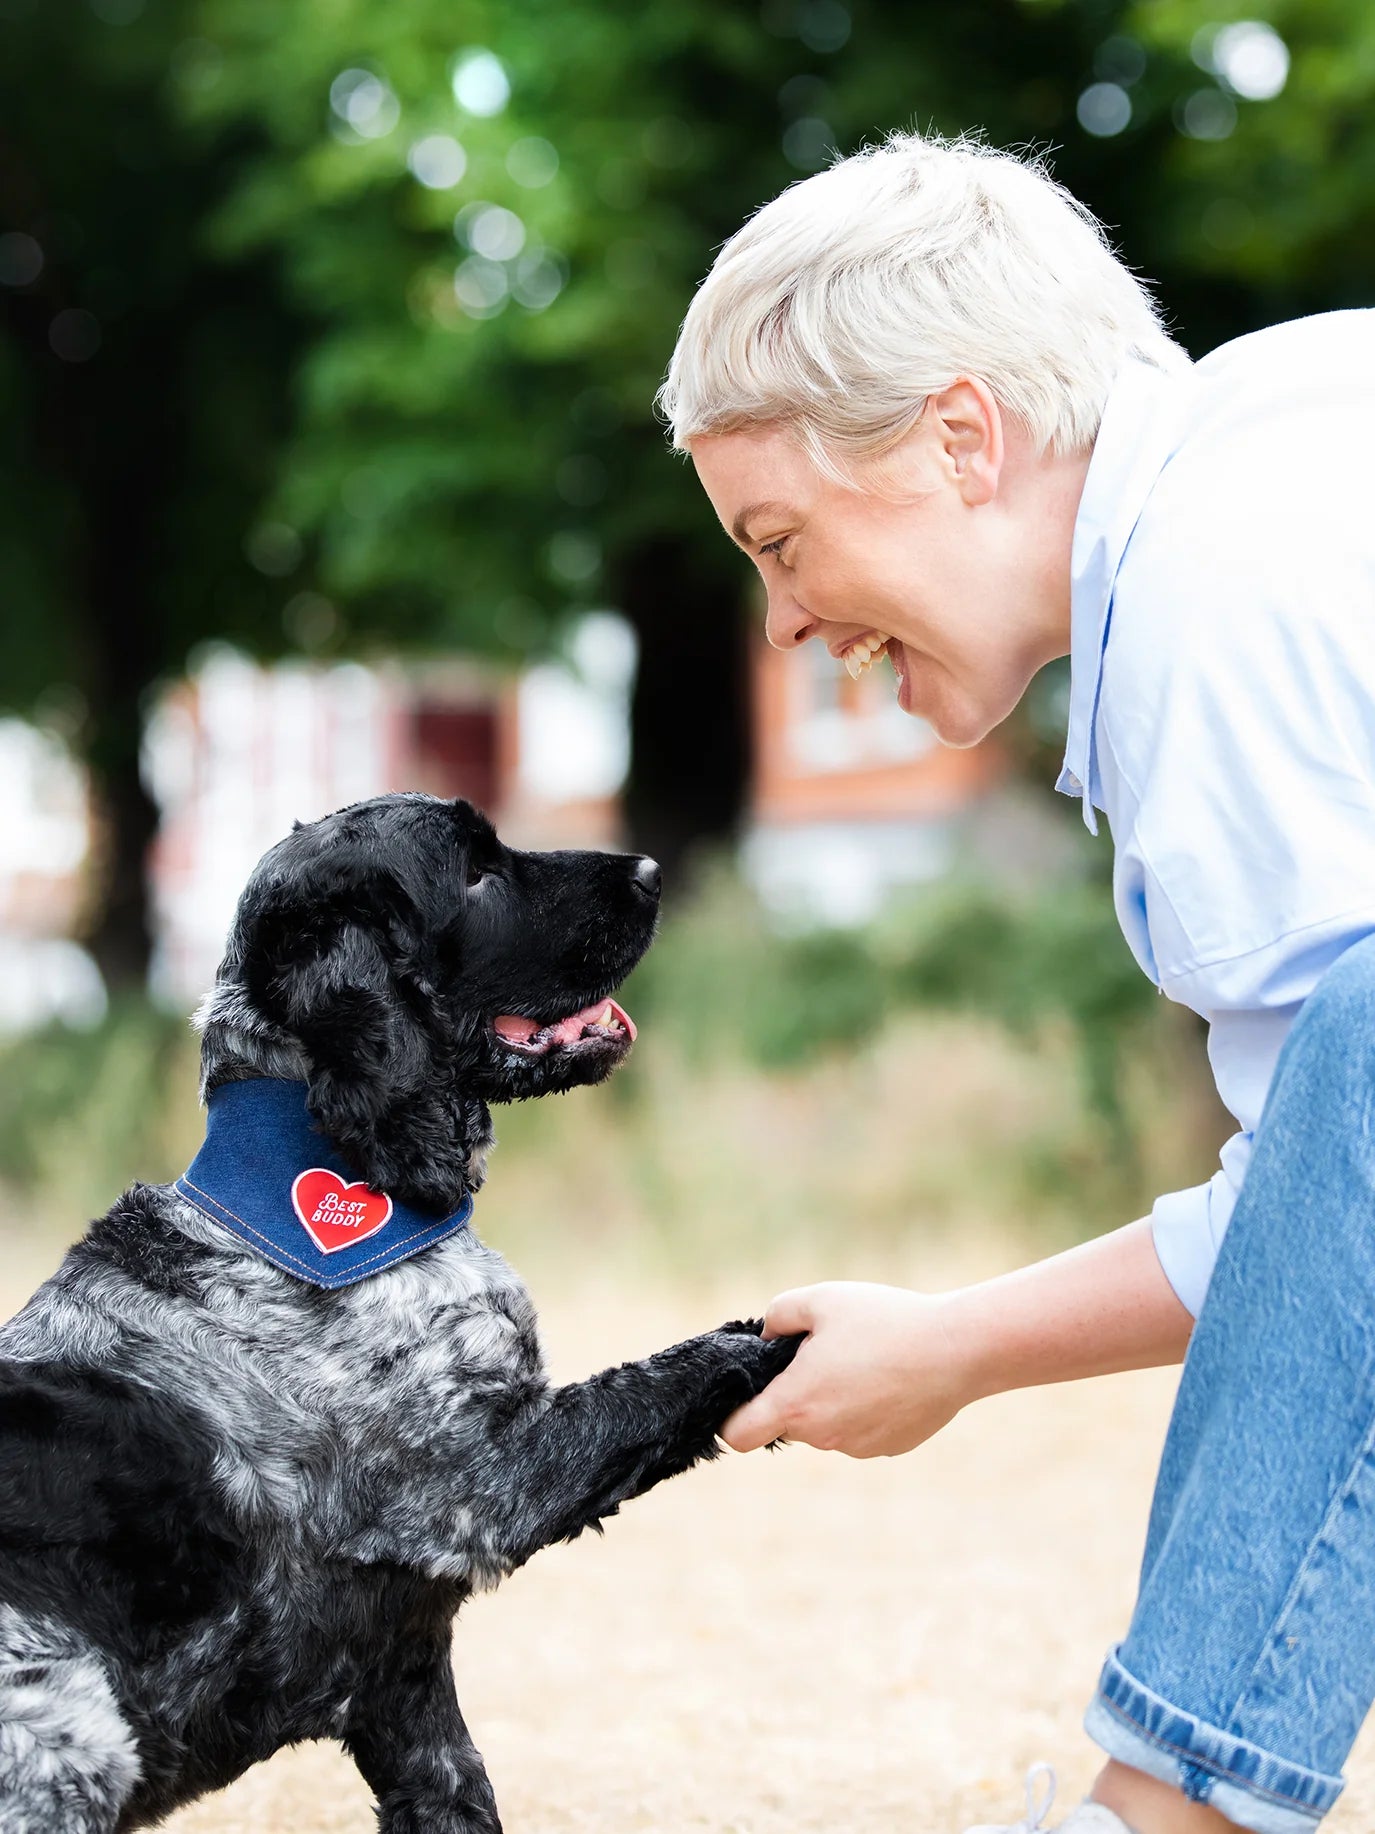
475 874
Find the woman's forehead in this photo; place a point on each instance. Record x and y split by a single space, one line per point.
752 475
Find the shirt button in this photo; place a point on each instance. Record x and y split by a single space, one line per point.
1074 783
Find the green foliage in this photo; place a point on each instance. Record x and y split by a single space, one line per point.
296 434
723 981
216 210
84 1113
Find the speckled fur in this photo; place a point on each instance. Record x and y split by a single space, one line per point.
237 1511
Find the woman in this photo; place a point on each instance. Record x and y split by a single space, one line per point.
947 424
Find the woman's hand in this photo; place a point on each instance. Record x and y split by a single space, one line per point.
879 1373
883 1369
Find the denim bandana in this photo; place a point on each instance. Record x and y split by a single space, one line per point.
269 1176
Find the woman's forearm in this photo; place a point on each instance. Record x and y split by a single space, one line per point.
1097 1309
883 1368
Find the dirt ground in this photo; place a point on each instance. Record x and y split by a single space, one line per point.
796 1641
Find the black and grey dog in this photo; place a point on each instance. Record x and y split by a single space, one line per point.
238 1508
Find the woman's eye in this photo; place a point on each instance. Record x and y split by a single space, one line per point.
774 547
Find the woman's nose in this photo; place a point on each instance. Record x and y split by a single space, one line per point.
786 624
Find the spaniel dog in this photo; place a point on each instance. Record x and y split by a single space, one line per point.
268 1427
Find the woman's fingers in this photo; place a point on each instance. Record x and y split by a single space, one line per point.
757 1423
761 1421
791 1312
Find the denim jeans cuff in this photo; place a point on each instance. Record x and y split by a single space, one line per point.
1249 1786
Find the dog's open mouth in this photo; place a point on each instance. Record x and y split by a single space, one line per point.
601 1022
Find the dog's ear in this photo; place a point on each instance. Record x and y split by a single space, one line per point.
384 1066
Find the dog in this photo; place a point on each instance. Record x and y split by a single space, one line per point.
256 1449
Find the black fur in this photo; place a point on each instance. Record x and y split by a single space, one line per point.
236 1510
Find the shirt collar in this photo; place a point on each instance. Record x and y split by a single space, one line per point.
1137 437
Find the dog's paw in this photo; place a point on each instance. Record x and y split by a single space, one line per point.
773 1353
755 1360
745 1327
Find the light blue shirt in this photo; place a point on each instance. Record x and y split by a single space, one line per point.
1222 700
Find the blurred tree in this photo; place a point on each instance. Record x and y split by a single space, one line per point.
142 406
400 279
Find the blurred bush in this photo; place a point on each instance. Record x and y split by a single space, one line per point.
973 1055
83 1113
723 979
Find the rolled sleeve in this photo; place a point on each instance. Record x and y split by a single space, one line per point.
1250 1004
1187 1228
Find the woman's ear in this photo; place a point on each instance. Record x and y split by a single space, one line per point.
967 424
381 1066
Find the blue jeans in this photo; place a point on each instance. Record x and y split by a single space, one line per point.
1250 1661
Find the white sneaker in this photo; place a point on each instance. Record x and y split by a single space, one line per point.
1088 1818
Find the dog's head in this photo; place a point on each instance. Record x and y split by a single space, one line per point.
408 967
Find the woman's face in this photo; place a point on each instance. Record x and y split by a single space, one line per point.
959 571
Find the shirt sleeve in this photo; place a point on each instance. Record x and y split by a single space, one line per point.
1187 1228
1250 1003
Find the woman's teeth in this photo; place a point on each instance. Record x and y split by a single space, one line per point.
861 653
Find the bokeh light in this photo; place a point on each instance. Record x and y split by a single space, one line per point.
1208 114
21 260
196 65
274 549
823 25
538 279
574 556
1104 109
1252 59
364 104
480 83
493 232
580 480
310 620
481 287
808 143
532 162
1120 59
437 161
74 335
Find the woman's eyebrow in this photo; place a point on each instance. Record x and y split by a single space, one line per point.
740 527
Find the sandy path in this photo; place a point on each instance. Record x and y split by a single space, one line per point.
796 1641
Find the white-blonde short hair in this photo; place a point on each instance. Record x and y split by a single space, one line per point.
859 292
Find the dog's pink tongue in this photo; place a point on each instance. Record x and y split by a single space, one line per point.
567 1031
605 1012
517 1030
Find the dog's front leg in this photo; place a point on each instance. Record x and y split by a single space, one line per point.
571 1458
408 1738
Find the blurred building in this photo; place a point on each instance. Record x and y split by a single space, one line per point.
45 837
851 799
236 753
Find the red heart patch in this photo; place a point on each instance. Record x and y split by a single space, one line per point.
335 1214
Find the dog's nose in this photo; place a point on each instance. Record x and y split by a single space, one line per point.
648 879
